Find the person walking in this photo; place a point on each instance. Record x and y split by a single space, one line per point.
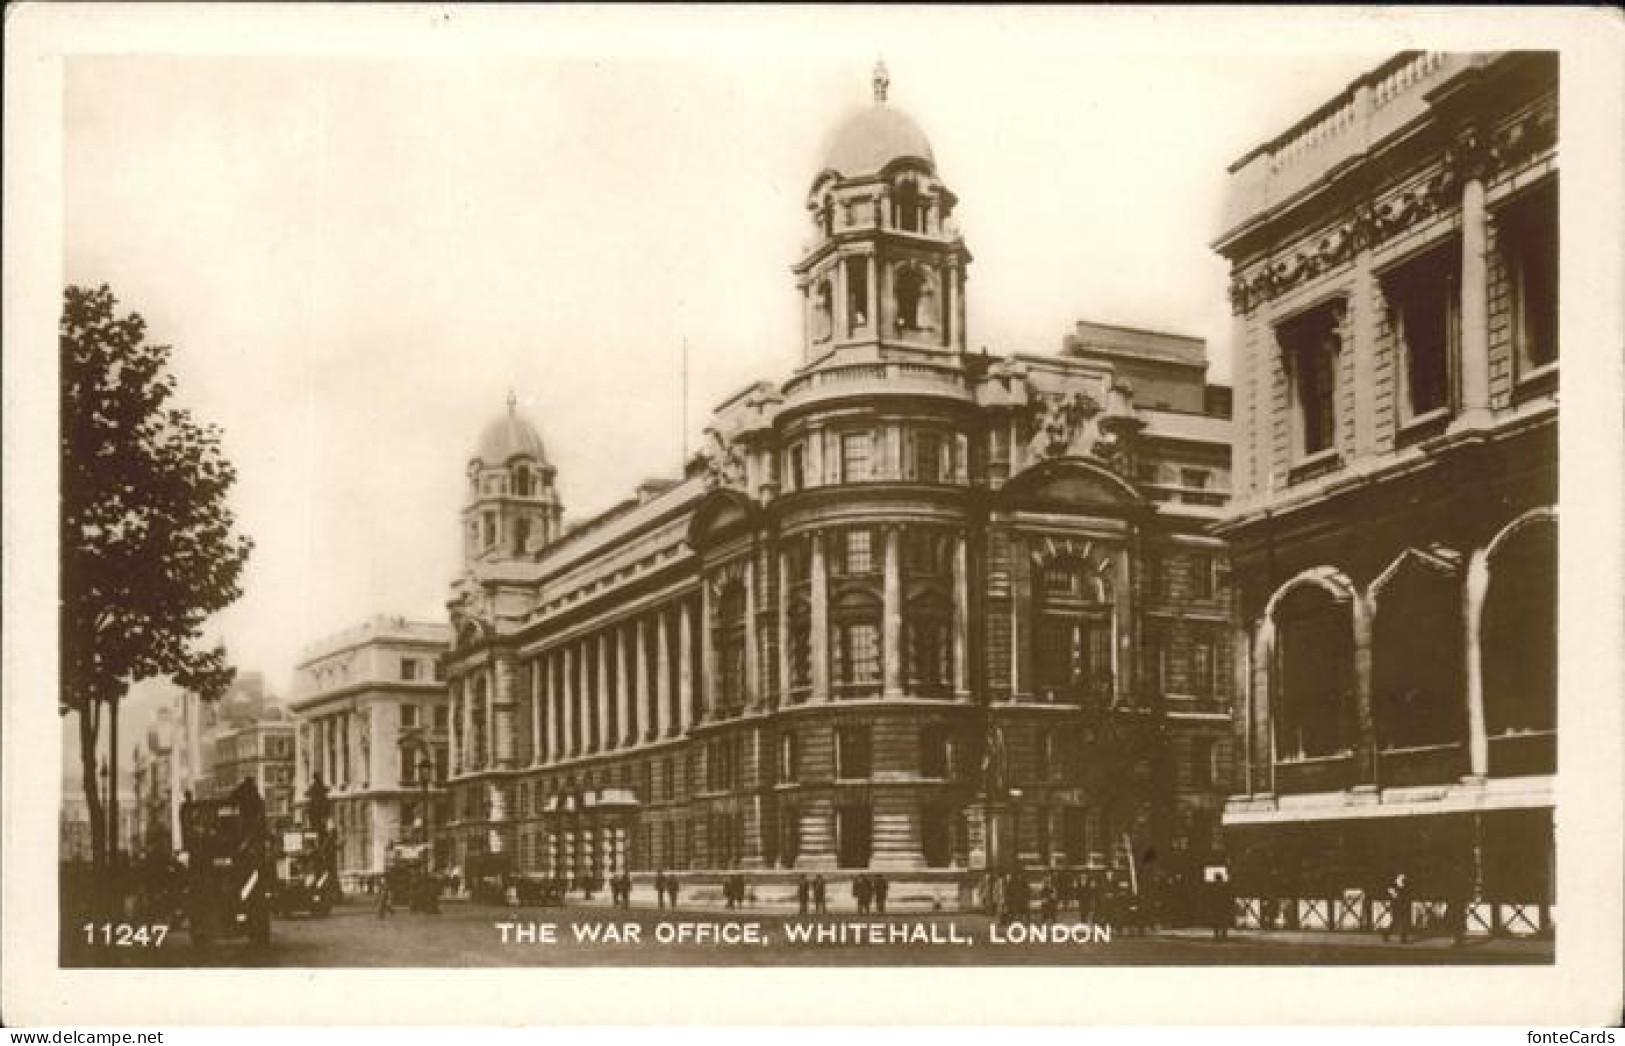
385 908
1399 909
660 889
820 895
861 893
1221 903
671 890
880 888
803 892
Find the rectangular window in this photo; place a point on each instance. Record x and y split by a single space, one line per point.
789 759
409 716
1423 311
442 716
1201 576
409 668
1202 663
856 552
796 467
855 448
852 753
1309 345
490 533
998 451
1194 479
934 751
1528 241
439 671
857 294
928 457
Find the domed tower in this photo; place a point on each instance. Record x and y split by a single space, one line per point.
512 507
886 266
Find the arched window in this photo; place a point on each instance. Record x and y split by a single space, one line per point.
1314 714
910 283
1519 632
1074 635
728 640
1416 684
521 534
855 641
521 481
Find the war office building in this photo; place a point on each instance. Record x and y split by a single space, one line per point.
1394 524
911 597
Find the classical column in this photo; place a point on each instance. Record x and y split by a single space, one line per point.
753 687
602 698
452 733
504 743
814 471
1367 758
489 756
555 700
1476 585
891 647
468 724
571 741
783 625
710 699
538 708
872 305
650 715
1262 758
690 709
961 619
820 621
623 685
1475 311
663 697
961 335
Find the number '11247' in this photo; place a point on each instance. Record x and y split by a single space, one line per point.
126 935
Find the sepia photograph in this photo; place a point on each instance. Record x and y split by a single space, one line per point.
764 493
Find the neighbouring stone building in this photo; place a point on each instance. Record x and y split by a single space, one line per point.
915 608
370 714
1394 522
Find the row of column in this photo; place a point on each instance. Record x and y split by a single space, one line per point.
891 647
579 706
617 688
331 737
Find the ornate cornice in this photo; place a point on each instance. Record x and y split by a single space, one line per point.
1369 222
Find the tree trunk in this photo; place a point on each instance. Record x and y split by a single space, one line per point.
113 847
93 798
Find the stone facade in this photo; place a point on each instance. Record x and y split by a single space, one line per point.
1393 529
913 609
371 712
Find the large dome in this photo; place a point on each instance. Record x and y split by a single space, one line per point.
870 139
510 435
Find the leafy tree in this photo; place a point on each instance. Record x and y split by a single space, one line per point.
147 544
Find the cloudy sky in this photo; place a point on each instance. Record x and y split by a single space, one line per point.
357 256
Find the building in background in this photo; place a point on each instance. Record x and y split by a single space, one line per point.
1394 526
371 719
153 763
915 608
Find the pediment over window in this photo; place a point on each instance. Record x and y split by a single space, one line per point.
1072 485
723 514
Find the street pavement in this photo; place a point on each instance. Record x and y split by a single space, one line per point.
470 935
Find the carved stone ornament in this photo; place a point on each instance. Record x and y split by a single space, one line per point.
1069 426
724 465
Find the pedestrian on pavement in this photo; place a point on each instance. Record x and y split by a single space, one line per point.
385 908
1399 909
660 889
671 889
880 887
820 898
861 892
803 893
1221 903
